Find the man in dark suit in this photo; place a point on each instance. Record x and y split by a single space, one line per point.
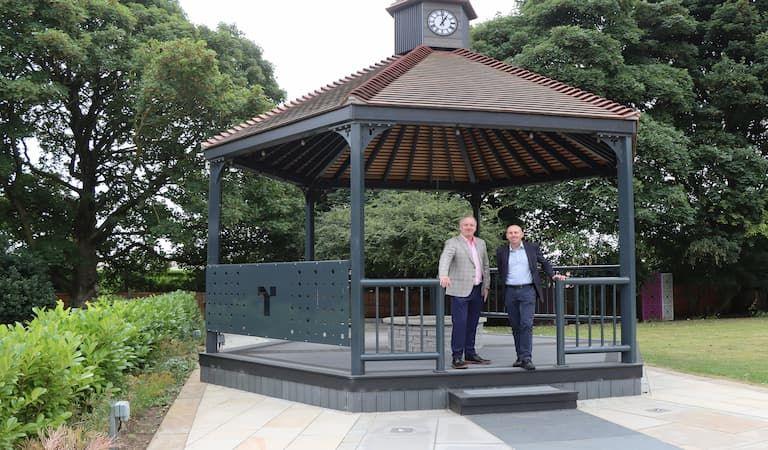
519 272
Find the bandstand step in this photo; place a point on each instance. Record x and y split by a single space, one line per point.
510 399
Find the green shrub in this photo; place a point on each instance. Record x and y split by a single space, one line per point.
24 284
63 357
41 373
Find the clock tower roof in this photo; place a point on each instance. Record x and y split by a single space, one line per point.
402 4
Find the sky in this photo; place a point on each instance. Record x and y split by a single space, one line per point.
312 43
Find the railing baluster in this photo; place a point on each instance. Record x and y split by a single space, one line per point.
377 319
602 314
576 288
589 315
614 314
421 317
391 319
407 301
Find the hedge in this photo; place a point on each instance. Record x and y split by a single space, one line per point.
49 368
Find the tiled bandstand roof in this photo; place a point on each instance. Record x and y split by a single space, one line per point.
449 156
427 78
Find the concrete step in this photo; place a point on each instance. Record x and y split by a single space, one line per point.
510 399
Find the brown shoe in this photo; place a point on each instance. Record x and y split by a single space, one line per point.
528 365
458 363
477 359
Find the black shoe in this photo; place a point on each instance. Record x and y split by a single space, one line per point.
517 363
458 363
477 359
527 365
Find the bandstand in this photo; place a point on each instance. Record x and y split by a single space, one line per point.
440 117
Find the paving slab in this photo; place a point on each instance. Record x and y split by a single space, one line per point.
676 411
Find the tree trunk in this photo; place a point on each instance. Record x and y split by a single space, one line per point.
86 277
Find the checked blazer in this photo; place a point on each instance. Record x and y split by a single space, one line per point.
456 263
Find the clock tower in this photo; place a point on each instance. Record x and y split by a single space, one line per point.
438 23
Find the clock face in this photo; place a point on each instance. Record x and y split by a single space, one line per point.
442 22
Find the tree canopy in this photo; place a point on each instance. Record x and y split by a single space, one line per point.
117 96
696 69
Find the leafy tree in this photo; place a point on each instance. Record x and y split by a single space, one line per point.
697 71
117 95
404 231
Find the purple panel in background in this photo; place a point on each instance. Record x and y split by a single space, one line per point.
651 297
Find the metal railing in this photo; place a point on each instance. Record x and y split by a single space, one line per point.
545 308
403 291
591 299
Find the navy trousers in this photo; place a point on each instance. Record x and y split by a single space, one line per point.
465 314
521 304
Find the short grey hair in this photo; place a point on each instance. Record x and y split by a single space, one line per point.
468 216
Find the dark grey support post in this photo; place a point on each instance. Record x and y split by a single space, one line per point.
309 224
214 233
560 321
357 245
623 148
476 200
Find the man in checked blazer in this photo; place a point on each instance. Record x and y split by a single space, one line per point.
465 274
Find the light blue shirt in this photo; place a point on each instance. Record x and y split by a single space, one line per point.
518 271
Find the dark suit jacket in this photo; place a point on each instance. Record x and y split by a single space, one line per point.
535 257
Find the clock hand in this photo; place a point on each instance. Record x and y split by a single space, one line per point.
445 16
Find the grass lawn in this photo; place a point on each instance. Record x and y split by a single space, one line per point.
730 348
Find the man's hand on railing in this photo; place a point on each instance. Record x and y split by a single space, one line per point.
559 277
445 282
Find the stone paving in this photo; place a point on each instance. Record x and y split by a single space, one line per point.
675 411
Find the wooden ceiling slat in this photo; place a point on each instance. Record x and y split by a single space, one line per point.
430 152
315 154
296 157
499 160
447 155
594 154
328 155
265 155
574 149
551 151
328 162
483 162
439 156
531 152
527 170
412 154
377 148
292 152
344 165
594 146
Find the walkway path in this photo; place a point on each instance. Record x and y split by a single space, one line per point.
676 410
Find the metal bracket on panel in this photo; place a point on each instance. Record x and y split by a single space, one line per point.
266 294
